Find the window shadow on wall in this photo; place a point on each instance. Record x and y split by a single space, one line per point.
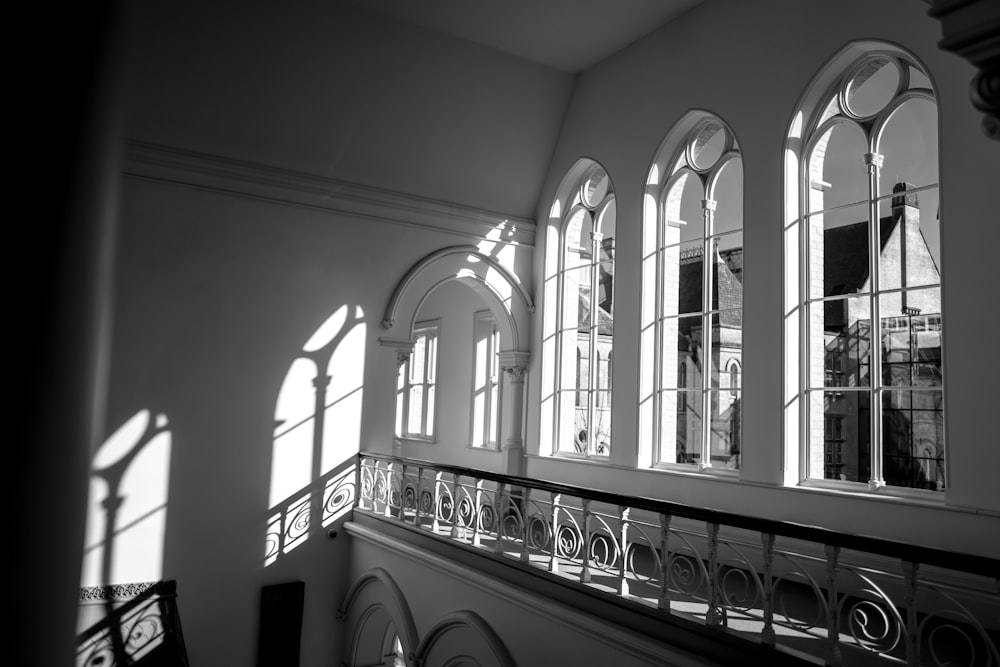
317 434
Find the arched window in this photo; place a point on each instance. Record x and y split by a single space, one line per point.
863 285
578 322
692 309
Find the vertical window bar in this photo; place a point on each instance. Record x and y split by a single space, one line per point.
874 162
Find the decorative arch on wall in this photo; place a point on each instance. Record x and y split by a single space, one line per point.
503 293
374 606
463 638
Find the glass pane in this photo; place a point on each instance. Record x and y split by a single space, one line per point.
910 240
606 266
838 175
581 430
873 86
415 409
838 251
726 429
682 278
418 360
728 196
727 344
576 299
708 145
429 430
843 442
911 343
842 350
594 187
913 438
680 426
909 146
601 431
730 249
683 211
681 354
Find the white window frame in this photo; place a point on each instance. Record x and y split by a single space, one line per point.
426 337
563 361
684 164
810 125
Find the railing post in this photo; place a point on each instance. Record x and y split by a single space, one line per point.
525 532
501 497
664 601
402 493
436 523
910 571
585 547
716 614
553 563
623 513
767 634
475 513
418 497
358 489
389 472
832 612
456 503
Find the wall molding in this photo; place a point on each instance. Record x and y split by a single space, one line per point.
166 164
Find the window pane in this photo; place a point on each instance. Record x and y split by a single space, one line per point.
909 146
727 343
680 426
911 242
729 197
872 86
681 355
416 409
708 145
843 351
841 440
911 343
429 430
682 278
837 172
913 438
838 252
726 429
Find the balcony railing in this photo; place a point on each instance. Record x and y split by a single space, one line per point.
829 596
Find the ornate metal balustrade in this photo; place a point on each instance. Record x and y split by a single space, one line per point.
141 626
841 598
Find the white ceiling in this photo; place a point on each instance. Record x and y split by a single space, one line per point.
569 35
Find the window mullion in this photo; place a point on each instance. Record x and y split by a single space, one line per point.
707 266
595 328
876 478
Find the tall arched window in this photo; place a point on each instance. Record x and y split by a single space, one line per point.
863 284
579 315
693 296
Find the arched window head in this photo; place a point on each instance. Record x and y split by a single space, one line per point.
578 320
863 283
692 306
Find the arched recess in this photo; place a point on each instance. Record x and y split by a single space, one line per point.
499 288
374 609
463 638
507 299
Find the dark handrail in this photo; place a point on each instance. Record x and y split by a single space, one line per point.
980 565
